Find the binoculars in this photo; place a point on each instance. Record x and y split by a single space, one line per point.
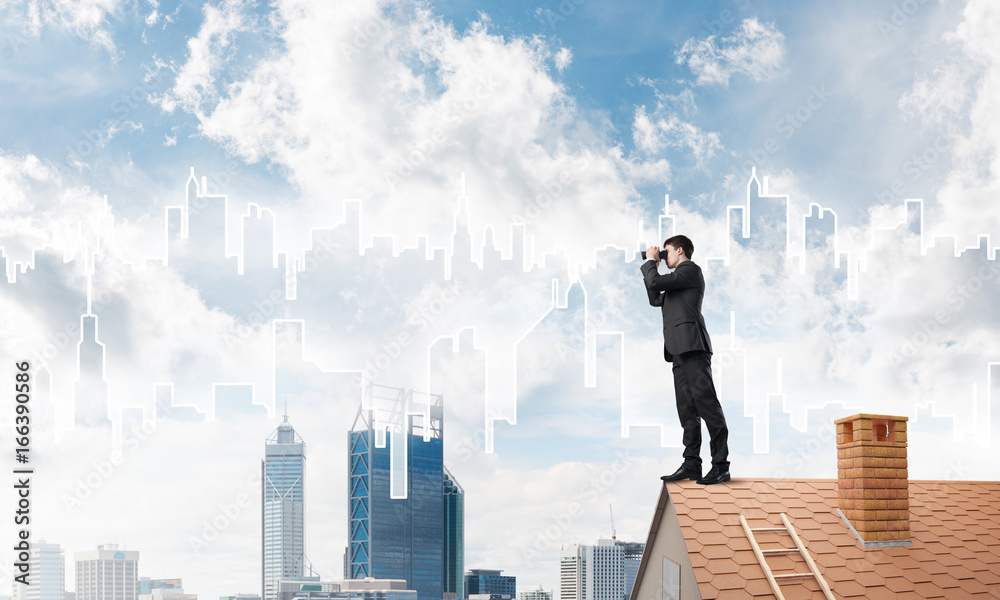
645 258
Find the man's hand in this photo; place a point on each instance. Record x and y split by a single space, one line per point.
653 252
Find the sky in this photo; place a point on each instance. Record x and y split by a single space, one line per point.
264 205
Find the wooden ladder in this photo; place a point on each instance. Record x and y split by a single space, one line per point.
799 547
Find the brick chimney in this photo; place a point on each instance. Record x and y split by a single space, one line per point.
872 482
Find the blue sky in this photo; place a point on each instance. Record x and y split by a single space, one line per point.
402 122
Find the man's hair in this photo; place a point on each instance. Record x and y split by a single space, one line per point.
682 242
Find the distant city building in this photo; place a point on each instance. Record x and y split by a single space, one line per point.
592 572
631 556
241 597
535 593
377 589
311 588
147 585
107 574
398 538
490 583
283 505
168 594
48 574
454 537
308 588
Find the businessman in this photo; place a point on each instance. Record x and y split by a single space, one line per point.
686 344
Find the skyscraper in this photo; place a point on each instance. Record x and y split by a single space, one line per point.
283 508
631 557
454 536
483 582
592 572
535 593
391 536
147 585
48 574
107 574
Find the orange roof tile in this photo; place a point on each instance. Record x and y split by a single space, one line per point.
954 551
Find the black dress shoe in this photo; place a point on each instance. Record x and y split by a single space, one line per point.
683 473
716 475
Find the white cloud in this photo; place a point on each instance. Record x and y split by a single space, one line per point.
664 127
16 173
391 104
682 101
39 210
563 58
756 49
940 96
87 19
42 208
654 134
194 84
958 99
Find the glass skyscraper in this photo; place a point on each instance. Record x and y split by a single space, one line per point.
283 493
392 536
454 536
631 556
490 581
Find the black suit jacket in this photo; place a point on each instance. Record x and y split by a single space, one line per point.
679 295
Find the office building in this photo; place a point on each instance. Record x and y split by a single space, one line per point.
376 589
107 573
147 585
308 588
168 594
535 593
283 505
454 536
592 572
631 557
48 574
490 583
396 525
241 597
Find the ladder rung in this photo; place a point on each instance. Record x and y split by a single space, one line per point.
799 546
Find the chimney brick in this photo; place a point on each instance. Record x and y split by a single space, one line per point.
872 477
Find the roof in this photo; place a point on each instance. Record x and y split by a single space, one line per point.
955 549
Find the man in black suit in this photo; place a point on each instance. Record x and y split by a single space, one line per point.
687 345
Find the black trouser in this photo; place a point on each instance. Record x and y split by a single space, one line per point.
696 400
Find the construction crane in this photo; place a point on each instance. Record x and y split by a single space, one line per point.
613 533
